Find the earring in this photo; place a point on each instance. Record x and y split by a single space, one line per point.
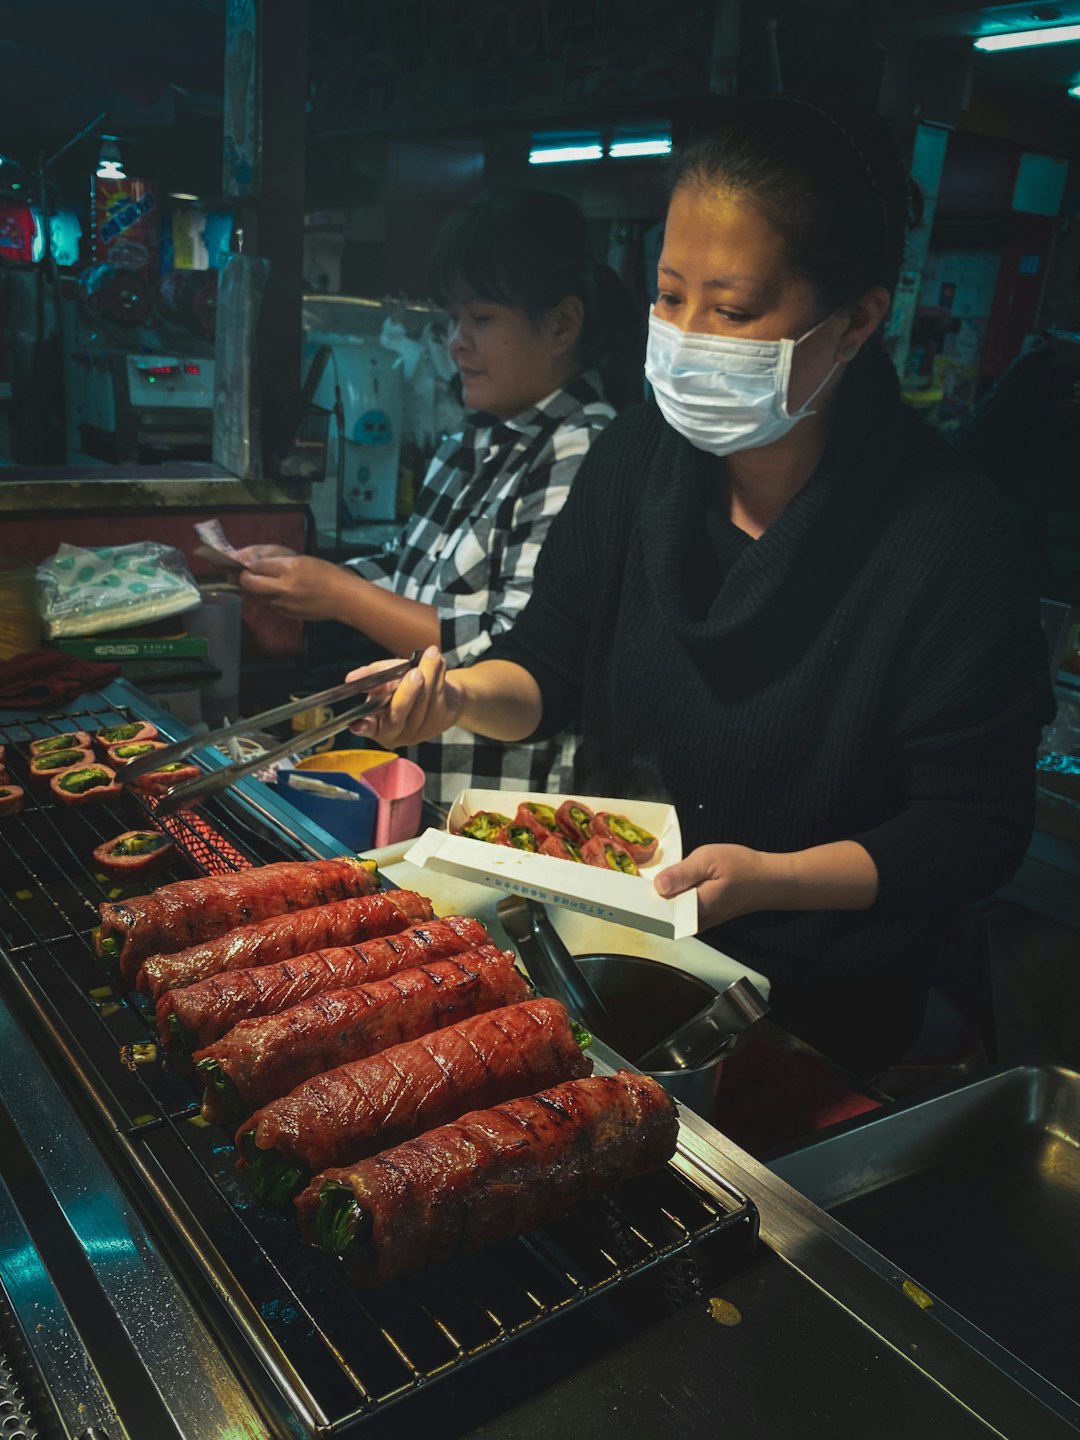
847 352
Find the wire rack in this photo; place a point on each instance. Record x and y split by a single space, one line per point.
285 1312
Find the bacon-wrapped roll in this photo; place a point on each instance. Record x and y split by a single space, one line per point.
484 825
517 837
348 1113
187 911
55 762
260 1060
119 755
69 740
574 820
126 732
200 1014
561 847
638 842
489 1175
608 854
538 818
80 784
158 782
11 799
281 937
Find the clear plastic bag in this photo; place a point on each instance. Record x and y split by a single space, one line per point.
112 587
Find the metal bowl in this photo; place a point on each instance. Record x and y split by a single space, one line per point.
649 999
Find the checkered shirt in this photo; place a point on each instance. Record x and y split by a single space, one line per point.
469 549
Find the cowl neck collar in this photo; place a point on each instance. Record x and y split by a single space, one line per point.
710 580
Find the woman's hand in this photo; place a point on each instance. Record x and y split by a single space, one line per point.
262 552
424 703
733 880
301 586
730 880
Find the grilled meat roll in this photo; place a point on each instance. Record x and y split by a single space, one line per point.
281 937
608 854
187 911
354 1110
80 784
201 1013
260 1060
489 1175
70 740
574 820
639 842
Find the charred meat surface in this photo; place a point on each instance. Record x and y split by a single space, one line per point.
187 911
201 1013
261 1060
354 1110
489 1175
282 937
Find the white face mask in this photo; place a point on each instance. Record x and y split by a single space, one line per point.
724 394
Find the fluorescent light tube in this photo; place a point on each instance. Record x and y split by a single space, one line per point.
564 154
1019 39
624 149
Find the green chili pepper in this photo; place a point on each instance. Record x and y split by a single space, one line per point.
216 1078
583 1037
70 741
544 813
139 842
179 1039
484 825
581 818
620 860
340 1222
274 1179
629 833
57 759
137 747
115 733
77 782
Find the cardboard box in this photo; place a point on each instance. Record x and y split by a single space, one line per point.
622 899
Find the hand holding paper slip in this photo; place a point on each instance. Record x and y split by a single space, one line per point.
216 546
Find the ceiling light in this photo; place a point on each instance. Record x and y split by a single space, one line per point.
110 165
654 145
1019 39
564 154
1075 90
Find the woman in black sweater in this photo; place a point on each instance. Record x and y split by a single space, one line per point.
779 601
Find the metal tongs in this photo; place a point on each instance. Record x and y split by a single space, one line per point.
553 969
706 1035
192 791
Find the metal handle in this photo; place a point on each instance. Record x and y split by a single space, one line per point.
553 969
708 1033
211 781
180 749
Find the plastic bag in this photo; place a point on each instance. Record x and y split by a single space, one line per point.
83 592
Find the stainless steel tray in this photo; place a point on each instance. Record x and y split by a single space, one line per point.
976 1196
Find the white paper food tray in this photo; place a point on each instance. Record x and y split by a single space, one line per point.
623 899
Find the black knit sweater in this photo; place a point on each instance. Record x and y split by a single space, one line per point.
871 668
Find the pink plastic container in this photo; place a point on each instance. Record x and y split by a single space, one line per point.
399 784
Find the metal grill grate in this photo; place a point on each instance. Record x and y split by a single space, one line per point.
344 1352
